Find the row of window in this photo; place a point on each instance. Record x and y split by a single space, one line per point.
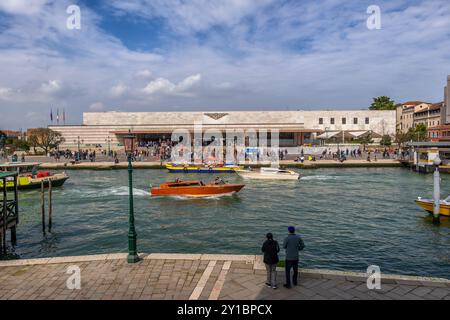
344 120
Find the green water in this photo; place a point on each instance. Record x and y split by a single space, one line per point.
349 218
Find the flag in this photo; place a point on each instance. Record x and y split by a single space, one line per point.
51 115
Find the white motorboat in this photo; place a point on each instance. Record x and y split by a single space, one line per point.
269 173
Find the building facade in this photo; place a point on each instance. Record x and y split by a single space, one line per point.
295 128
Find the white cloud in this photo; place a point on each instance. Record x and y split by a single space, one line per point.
5 93
97 106
164 86
22 7
50 87
144 73
118 90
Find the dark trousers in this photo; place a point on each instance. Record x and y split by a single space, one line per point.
294 265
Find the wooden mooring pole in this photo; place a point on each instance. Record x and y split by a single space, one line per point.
43 207
50 205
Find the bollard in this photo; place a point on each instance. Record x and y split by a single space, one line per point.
50 205
436 192
43 207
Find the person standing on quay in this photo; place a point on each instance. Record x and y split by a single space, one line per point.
293 244
271 249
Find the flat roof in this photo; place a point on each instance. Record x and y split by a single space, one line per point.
429 144
18 164
4 175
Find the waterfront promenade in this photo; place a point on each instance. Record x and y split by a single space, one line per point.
67 165
196 277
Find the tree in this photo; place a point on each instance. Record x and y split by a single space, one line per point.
419 133
3 138
401 138
386 140
383 103
46 139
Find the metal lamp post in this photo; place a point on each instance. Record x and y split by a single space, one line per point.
108 140
436 191
129 143
78 143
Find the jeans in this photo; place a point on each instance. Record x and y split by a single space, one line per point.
294 265
271 274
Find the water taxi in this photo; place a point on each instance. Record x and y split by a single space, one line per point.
30 177
186 168
195 188
269 173
428 204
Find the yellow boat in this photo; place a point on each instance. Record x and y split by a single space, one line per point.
185 168
29 176
427 205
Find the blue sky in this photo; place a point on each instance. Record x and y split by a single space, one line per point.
179 55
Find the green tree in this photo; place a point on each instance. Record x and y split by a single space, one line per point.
386 140
45 138
419 132
20 144
3 138
383 103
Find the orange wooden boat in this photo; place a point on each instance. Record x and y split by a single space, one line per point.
195 188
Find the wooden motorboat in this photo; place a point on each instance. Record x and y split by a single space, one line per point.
195 188
186 168
428 205
30 177
269 173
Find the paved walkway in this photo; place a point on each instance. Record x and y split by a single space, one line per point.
194 276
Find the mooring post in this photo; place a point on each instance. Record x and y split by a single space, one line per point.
43 207
436 192
13 236
50 205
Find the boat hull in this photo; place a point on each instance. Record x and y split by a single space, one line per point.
267 176
197 191
36 183
428 206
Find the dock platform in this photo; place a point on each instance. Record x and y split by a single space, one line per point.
196 277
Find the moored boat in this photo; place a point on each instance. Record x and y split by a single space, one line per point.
195 188
428 205
30 177
187 168
269 173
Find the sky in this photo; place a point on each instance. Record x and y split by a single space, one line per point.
211 55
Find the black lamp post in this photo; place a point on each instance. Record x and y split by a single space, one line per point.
129 142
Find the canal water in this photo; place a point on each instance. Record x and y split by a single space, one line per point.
348 218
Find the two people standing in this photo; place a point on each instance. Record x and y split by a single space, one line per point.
293 243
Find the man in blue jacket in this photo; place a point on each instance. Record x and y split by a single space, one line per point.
293 244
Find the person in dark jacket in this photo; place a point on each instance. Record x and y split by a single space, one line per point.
271 249
293 244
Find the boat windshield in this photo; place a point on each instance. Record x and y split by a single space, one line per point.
447 199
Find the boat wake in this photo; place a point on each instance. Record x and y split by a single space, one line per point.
318 178
113 191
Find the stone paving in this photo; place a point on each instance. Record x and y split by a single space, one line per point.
195 276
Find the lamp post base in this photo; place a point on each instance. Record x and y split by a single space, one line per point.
133 258
436 220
